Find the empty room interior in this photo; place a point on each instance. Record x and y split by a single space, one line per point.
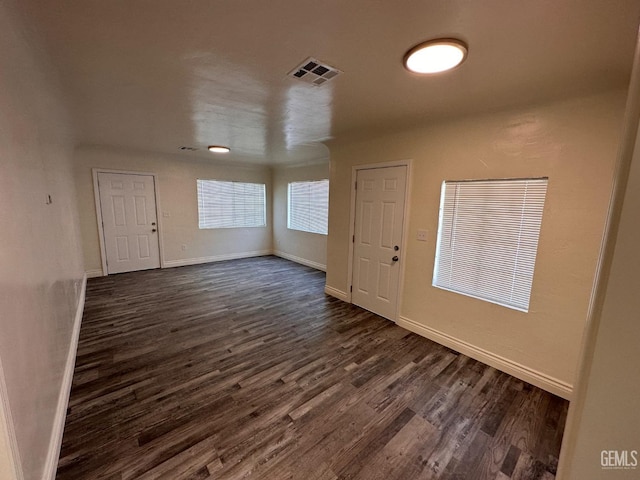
248 239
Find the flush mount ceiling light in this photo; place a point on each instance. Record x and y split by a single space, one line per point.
435 56
218 149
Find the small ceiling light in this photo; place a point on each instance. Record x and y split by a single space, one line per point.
435 56
218 149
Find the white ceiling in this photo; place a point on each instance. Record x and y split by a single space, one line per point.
155 75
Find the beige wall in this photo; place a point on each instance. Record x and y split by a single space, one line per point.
610 419
573 143
604 415
41 274
303 247
177 196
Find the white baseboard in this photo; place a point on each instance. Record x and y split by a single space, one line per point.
529 375
55 441
215 258
96 272
300 260
334 292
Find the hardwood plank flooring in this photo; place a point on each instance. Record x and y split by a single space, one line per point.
245 370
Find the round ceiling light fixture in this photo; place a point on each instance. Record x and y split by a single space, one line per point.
435 56
218 149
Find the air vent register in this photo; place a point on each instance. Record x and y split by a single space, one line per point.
314 72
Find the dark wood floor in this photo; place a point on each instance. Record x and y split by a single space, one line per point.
245 369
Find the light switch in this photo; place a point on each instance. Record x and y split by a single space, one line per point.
422 235
165 214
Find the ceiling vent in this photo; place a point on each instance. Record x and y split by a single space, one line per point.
314 72
188 149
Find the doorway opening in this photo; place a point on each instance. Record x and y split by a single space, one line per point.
378 223
128 224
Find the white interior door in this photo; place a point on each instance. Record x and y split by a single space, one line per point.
380 199
129 221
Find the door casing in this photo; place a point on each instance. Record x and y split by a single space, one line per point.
405 224
96 192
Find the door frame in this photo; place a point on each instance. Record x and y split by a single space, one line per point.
405 224
96 196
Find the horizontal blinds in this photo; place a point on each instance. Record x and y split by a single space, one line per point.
488 239
309 206
231 204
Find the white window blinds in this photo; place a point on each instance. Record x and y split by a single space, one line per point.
309 206
231 204
488 238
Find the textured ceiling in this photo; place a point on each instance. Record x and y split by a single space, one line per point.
155 75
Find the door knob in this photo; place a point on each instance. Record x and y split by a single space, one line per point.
153 230
395 258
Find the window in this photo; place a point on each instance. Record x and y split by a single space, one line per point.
231 204
309 206
488 238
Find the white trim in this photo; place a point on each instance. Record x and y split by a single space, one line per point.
15 463
405 224
96 196
334 292
300 260
156 190
215 258
352 233
539 379
96 272
55 442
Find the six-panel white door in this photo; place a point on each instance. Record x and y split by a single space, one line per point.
129 221
380 199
